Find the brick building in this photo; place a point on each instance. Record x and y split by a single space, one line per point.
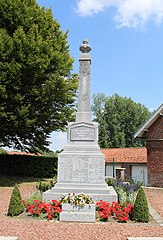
134 160
152 133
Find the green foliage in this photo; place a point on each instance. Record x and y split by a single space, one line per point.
36 196
49 153
119 118
141 209
110 181
15 207
25 165
2 151
126 192
98 109
42 186
37 90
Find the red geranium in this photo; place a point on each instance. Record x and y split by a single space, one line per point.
121 213
51 210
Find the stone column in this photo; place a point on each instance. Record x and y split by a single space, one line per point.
84 108
81 164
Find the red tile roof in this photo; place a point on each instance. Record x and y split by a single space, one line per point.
125 155
22 153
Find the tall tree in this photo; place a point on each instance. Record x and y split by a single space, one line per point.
36 96
119 118
98 109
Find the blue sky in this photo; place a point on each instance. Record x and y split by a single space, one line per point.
127 46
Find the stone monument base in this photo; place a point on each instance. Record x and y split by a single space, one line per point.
81 166
72 213
97 191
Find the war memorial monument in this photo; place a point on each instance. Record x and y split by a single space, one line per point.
81 165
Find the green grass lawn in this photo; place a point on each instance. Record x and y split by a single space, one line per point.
8 181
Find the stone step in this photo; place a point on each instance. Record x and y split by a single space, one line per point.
81 185
49 196
80 190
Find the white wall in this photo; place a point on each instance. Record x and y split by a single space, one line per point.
109 169
139 172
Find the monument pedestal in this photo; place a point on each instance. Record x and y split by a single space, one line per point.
81 166
72 213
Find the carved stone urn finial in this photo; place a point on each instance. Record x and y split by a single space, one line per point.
85 47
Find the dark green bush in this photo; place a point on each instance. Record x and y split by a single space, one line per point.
24 165
42 187
141 209
15 207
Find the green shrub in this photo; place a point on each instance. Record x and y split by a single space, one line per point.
15 207
110 181
36 196
126 191
141 209
42 187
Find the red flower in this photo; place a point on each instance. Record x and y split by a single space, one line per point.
121 213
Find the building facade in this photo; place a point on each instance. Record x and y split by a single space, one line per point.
132 160
152 133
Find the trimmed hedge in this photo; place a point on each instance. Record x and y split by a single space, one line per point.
15 207
24 165
141 209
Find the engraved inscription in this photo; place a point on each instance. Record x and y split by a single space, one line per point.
85 68
96 169
82 134
84 89
65 169
81 169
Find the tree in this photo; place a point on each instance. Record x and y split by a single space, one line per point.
99 116
37 90
119 118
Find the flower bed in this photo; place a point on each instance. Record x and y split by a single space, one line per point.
77 208
115 210
80 199
44 210
80 207
104 210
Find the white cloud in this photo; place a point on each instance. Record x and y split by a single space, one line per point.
89 7
130 13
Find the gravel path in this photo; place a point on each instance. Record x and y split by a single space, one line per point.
155 197
27 229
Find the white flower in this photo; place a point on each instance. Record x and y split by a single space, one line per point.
77 199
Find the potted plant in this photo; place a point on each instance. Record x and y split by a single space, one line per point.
77 207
